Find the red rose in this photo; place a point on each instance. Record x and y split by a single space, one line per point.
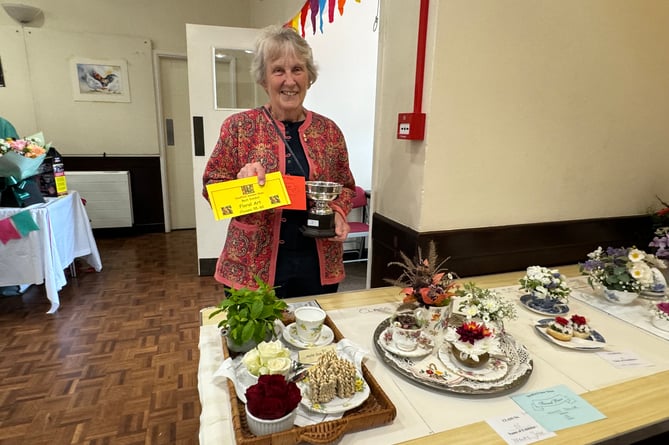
272 397
561 321
578 320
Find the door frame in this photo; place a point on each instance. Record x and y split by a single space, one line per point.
157 56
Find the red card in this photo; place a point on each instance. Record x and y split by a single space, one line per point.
296 191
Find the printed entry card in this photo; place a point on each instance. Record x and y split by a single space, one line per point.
243 196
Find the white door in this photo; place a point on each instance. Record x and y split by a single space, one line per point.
207 100
177 137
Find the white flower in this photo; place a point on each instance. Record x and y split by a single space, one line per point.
642 273
267 358
636 255
280 365
272 349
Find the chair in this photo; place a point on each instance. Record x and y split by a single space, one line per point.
359 229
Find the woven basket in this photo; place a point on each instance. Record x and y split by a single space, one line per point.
375 411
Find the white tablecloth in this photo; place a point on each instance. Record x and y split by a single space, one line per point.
422 411
64 234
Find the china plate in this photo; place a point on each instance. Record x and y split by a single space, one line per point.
290 335
336 405
595 341
556 309
425 347
428 371
494 369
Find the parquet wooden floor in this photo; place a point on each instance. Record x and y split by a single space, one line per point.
117 364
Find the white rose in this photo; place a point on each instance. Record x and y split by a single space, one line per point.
252 361
280 365
272 349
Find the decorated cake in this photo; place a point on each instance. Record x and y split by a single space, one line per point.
331 377
580 326
561 329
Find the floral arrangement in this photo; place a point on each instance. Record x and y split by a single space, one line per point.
425 281
661 310
472 339
660 241
546 283
21 158
485 304
272 397
29 147
622 268
268 358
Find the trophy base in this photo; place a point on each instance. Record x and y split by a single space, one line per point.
319 226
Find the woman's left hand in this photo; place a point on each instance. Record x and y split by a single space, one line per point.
341 228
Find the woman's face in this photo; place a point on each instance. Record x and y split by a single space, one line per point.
287 82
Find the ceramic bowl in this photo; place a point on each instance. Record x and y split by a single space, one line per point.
261 427
619 296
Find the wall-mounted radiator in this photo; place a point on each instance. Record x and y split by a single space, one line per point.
107 195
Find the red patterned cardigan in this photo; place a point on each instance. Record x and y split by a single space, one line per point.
251 245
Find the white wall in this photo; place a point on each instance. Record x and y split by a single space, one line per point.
536 111
344 92
346 55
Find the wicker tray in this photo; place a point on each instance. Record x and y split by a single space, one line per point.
375 411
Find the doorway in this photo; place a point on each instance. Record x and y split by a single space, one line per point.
174 127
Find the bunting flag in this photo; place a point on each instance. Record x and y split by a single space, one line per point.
313 9
17 226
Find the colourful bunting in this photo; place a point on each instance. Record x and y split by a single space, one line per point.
312 8
17 226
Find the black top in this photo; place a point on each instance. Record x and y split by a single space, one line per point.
295 219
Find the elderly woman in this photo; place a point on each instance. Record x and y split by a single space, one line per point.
282 136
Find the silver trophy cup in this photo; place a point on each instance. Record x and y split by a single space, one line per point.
320 219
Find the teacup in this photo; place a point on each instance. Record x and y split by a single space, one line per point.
309 323
407 328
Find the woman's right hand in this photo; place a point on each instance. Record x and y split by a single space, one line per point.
253 169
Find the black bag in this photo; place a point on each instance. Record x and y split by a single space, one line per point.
22 194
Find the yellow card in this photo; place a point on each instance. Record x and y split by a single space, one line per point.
311 356
243 196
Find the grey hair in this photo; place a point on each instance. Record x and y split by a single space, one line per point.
275 41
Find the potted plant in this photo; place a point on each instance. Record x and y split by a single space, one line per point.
547 287
477 303
426 284
249 315
472 343
660 242
660 314
622 272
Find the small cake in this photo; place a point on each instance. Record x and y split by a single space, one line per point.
560 329
580 326
331 376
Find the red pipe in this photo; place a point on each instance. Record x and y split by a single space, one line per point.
420 56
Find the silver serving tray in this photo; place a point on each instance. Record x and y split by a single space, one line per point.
431 373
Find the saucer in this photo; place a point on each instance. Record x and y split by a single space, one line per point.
494 369
386 342
595 341
652 295
556 309
290 335
336 405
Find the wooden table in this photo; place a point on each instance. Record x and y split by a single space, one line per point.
633 401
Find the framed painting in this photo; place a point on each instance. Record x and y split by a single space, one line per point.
99 80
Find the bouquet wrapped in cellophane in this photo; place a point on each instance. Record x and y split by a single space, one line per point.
21 158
